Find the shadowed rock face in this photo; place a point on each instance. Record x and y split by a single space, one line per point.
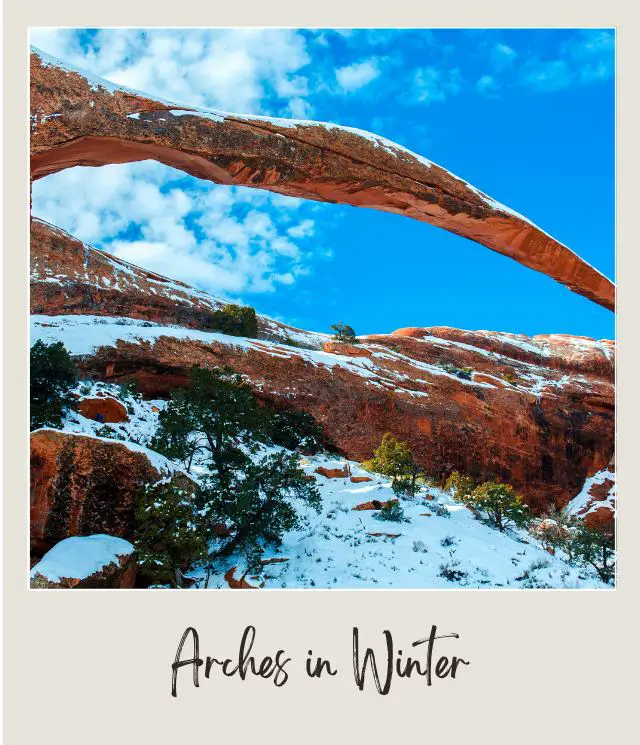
78 120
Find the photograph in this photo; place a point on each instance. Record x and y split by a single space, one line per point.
322 308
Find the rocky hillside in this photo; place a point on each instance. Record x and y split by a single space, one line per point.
535 412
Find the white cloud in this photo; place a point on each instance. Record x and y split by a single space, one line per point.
244 70
487 86
432 85
355 76
227 240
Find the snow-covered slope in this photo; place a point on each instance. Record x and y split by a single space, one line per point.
440 544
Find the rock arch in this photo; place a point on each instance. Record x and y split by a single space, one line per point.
77 119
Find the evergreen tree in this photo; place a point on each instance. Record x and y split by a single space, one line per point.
344 334
169 535
460 485
394 458
235 320
501 505
261 507
216 414
52 374
295 429
595 548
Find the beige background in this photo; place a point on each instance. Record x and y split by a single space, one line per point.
94 667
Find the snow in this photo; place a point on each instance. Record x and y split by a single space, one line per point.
335 549
81 556
584 503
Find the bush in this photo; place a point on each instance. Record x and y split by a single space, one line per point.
501 505
52 374
451 573
169 532
394 458
235 320
295 429
344 333
595 548
466 373
391 512
460 485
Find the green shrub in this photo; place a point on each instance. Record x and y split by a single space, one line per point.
394 458
169 532
595 548
391 512
295 429
52 374
466 373
234 320
344 333
502 507
460 485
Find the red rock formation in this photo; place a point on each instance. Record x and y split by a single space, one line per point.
360 479
110 410
333 473
77 120
238 584
82 486
545 432
69 277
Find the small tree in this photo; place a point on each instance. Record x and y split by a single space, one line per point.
215 415
52 374
501 505
394 458
235 320
460 485
170 534
391 512
344 334
595 548
260 509
295 429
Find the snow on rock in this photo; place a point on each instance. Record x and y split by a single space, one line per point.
596 502
79 558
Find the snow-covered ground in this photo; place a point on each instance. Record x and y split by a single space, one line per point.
439 545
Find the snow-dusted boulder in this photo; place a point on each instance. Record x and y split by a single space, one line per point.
93 561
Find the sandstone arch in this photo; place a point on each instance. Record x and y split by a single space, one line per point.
78 119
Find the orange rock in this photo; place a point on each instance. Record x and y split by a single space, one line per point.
75 122
333 473
238 584
111 410
83 486
374 505
360 479
350 350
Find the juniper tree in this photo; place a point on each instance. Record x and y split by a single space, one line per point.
595 548
52 374
502 507
217 416
394 458
344 333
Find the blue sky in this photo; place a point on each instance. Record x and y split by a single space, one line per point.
526 116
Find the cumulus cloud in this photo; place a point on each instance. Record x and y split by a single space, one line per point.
352 77
227 240
502 57
245 70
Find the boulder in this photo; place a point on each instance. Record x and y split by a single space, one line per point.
360 479
82 486
375 504
104 409
333 473
91 562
